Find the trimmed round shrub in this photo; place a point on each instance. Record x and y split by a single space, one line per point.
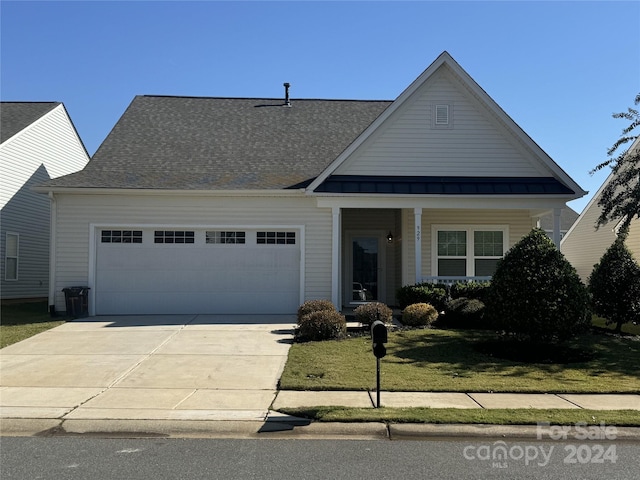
536 295
311 306
433 294
419 315
614 284
370 312
322 325
477 290
465 313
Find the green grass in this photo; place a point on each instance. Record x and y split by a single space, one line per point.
23 320
468 416
627 328
446 360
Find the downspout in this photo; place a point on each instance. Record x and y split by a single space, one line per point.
52 254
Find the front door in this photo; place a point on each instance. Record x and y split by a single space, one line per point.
365 266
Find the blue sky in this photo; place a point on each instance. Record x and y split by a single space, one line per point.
559 69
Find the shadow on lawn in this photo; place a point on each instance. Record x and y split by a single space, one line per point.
481 351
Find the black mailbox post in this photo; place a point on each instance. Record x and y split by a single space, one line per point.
378 339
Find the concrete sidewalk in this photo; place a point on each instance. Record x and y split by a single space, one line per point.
195 374
294 399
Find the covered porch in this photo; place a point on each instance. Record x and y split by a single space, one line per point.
378 248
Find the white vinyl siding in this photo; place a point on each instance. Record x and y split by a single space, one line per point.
50 142
47 148
477 144
75 213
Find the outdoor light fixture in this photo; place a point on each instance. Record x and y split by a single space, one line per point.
389 237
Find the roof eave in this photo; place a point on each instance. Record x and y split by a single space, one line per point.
161 192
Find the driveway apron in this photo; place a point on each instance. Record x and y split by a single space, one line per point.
195 367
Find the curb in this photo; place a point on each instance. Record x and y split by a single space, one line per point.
303 429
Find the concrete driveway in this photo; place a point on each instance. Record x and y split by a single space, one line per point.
174 367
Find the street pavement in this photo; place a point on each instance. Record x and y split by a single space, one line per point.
198 374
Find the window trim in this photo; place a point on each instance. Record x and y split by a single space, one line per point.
15 257
470 256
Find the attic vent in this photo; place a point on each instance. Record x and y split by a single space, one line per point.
442 114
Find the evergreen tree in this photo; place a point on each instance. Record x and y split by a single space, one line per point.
615 286
536 295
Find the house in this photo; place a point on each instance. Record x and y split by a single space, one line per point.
584 245
37 142
249 205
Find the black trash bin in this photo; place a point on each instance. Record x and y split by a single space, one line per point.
77 301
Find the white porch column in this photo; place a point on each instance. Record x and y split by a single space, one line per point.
417 221
556 227
335 258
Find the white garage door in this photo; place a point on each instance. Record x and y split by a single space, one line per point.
152 271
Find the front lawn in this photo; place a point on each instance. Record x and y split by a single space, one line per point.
23 320
484 416
448 361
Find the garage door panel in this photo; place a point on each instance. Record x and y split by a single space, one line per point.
196 303
189 278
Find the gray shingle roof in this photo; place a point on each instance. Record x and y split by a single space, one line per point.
16 116
223 143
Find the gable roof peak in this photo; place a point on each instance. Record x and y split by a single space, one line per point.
445 59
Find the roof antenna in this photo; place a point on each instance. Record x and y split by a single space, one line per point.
287 102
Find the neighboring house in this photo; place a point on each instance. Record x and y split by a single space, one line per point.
37 142
567 218
584 245
247 205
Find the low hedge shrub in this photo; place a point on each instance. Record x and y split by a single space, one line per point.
311 306
322 325
477 290
370 312
465 313
433 294
419 315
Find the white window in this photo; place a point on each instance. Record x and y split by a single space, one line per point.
173 236
11 257
225 237
276 238
121 236
469 251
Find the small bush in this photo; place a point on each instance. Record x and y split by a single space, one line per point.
370 312
477 290
419 315
311 306
465 313
433 294
322 325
